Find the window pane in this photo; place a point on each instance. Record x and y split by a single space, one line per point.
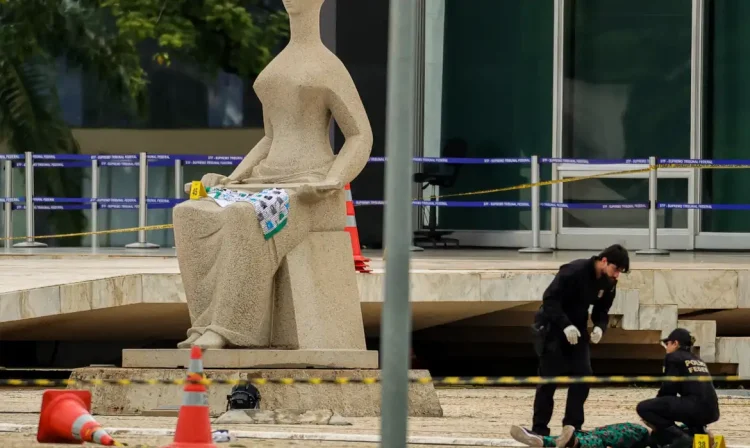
623 191
69 88
627 83
627 95
497 97
180 96
727 113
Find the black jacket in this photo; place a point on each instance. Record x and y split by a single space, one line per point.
684 363
567 299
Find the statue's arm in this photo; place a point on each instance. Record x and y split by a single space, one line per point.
350 115
255 156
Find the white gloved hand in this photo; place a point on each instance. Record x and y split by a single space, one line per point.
572 333
596 335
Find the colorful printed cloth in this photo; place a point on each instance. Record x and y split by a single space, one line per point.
271 206
621 435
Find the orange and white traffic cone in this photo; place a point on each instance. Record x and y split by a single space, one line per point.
360 262
193 422
66 418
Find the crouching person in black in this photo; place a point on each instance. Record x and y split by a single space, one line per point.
693 403
561 338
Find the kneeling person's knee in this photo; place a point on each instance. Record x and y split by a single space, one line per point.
643 408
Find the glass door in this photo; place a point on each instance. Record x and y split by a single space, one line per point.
625 94
613 209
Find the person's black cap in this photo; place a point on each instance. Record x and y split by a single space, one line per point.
681 336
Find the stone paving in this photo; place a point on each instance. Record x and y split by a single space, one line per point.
469 413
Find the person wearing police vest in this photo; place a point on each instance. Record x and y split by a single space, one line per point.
560 335
694 403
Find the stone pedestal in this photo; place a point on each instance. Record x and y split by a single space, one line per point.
252 359
316 298
348 400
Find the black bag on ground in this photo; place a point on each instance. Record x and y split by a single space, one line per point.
243 396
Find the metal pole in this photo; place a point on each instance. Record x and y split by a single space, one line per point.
178 186
419 98
178 179
555 212
29 183
536 227
396 321
653 178
94 204
8 206
697 65
142 205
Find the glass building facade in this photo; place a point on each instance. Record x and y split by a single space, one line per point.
592 79
181 99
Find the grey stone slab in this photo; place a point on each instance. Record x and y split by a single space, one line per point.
249 358
276 417
347 400
696 289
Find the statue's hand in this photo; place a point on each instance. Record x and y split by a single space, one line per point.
317 191
214 180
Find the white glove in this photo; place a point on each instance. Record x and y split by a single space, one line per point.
596 335
572 333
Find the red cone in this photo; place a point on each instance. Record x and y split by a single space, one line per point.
66 418
360 262
193 422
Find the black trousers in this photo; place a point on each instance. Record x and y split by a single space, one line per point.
559 358
663 412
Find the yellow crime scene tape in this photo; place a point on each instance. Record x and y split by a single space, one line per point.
591 176
198 191
98 232
544 183
437 381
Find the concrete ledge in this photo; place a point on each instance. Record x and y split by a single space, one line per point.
348 400
252 359
658 317
735 350
685 289
705 336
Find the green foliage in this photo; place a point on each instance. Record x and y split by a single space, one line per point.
215 34
103 38
42 30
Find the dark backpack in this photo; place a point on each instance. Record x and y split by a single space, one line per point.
243 396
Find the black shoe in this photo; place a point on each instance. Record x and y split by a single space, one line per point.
678 438
526 437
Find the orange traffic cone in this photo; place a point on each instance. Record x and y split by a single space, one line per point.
193 422
66 418
360 262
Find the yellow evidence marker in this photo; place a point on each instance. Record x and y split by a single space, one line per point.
719 442
197 190
701 441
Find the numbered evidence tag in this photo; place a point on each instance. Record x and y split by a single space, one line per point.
701 441
719 442
197 191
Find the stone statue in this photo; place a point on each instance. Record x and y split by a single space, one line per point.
236 291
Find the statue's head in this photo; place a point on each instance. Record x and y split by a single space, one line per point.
294 7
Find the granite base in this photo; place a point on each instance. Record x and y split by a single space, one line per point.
348 400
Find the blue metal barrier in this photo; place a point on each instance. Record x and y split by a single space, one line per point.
143 203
